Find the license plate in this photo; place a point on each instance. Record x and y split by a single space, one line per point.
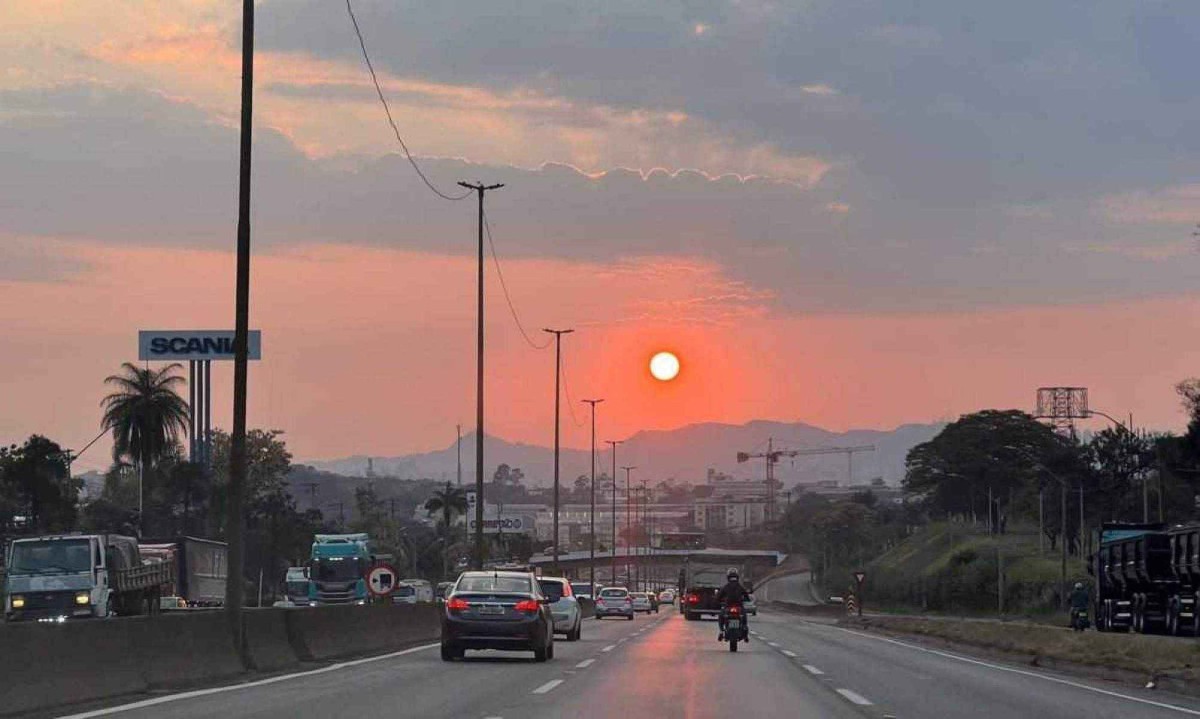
735 624
491 609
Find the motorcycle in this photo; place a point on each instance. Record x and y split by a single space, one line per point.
736 628
1079 620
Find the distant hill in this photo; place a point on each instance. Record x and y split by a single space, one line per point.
685 454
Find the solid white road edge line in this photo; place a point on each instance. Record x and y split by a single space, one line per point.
234 687
1014 670
813 670
548 686
854 698
585 664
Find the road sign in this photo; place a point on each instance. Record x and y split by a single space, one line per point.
859 577
175 345
381 580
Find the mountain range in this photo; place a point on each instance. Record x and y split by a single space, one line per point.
685 454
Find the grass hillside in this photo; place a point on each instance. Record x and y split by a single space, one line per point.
955 568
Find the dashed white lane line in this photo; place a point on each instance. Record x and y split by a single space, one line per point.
813 670
609 648
493 718
789 653
549 686
772 644
585 664
855 698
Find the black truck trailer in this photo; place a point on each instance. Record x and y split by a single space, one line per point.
1146 576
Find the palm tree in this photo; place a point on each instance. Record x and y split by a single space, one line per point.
145 415
449 501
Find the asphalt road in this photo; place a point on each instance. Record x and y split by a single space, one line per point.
796 588
665 667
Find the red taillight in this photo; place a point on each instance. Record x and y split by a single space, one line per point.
527 605
457 605
734 611
628 600
693 599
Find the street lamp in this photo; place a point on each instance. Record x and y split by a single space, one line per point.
613 543
592 539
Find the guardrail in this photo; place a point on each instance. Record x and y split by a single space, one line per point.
50 665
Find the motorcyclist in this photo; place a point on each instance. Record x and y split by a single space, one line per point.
1079 600
731 594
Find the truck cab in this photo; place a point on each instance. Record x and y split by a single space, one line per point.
337 569
59 577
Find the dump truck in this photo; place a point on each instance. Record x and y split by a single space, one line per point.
200 567
54 578
337 569
699 583
1147 576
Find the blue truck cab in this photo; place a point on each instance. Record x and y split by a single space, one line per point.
337 569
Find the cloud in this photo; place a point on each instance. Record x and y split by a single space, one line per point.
823 90
1176 205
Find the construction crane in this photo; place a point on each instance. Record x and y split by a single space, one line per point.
772 456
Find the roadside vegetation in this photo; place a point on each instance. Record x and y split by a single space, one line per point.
997 486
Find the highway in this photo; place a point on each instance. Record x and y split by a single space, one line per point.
663 666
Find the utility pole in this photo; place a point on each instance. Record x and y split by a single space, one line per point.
312 494
1063 541
592 540
480 189
557 383
613 443
234 588
628 524
458 470
645 497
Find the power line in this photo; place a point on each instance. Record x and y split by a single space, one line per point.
570 401
512 308
379 91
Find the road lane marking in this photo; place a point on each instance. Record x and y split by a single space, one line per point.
855 698
772 644
548 686
585 664
788 653
609 648
813 670
1014 670
234 687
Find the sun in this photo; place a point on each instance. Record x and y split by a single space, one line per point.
664 366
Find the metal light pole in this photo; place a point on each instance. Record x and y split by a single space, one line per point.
480 189
614 443
628 524
557 382
592 539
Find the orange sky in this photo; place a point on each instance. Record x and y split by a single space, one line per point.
371 351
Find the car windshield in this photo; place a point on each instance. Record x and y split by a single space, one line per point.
403 591
613 593
338 569
551 589
494 583
51 557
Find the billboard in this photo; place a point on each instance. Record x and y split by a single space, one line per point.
508 524
178 345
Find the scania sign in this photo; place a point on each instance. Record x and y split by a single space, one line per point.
172 345
516 524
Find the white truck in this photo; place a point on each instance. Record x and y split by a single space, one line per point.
69 576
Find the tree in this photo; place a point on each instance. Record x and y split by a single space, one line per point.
989 454
145 414
449 501
35 485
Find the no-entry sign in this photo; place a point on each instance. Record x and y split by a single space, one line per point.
381 580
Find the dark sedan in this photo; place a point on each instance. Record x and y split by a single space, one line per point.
497 610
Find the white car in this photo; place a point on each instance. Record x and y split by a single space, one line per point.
666 597
641 602
564 607
614 602
750 606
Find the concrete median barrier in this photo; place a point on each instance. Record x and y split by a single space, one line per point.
46 665
324 633
268 643
43 666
